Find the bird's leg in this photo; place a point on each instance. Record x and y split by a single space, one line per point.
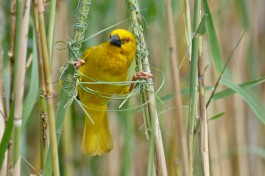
140 75
78 63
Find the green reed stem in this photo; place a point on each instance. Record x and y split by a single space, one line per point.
203 131
142 63
49 91
51 26
42 100
20 70
193 85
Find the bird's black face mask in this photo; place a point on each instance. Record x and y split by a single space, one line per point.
115 40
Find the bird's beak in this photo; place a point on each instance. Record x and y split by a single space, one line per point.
115 40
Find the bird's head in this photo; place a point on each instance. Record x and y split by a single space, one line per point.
125 40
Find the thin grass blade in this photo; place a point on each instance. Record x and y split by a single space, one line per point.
246 85
216 116
32 94
215 48
7 135
248 99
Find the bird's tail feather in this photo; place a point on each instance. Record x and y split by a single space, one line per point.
96 139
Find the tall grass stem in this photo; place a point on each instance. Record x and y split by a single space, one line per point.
42 101
179 120
13 12
67 138
187 19
142 54
203 137
49 95
193 85
13 33
51 26
20 71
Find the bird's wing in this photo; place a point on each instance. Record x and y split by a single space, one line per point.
85 55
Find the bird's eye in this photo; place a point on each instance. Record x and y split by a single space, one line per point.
127 40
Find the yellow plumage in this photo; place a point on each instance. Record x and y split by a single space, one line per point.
106 62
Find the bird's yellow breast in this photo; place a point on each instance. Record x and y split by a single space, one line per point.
107 62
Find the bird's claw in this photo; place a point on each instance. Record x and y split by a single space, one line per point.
78 63
140 75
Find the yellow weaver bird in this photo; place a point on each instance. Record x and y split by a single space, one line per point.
108 62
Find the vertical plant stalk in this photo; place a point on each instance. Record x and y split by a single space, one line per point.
142 55
13 12
75 44
9 158
69 71
20 68
193 85
12 48
67 138
3 93
179 118
51 26
49 94
42 100
127 149
43 129
74 47
4 169
3 117
204 139
80 27
17 6
17 46
188 32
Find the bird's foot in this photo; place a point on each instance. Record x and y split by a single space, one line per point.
78 63
140 75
